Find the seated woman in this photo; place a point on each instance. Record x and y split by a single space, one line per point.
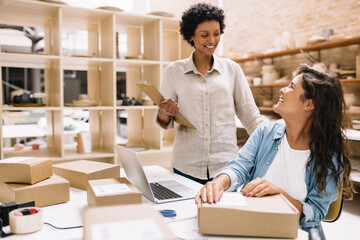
303 157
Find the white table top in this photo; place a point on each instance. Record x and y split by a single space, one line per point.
184 225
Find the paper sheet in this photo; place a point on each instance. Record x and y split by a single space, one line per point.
233 199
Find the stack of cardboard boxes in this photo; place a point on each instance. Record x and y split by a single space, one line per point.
114 210
24 179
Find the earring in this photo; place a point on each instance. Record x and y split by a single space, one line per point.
305 108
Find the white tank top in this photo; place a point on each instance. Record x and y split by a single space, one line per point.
287 171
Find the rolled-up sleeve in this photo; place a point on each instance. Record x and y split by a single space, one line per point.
316 205
245 106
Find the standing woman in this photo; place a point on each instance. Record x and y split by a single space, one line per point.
305 157
209 91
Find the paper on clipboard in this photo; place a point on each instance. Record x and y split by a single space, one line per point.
156 96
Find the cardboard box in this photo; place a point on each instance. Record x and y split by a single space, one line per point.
137 221
112 191
25 169
51 191
79 172
270 216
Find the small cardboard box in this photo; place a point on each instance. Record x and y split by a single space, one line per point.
80 172
137 221
25 169
112 191
270 216
51 191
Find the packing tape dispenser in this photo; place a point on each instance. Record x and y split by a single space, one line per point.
26 220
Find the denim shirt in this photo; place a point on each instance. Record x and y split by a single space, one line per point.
254 159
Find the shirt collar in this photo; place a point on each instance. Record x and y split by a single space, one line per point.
190 65
280 131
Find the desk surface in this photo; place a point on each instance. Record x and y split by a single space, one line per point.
69 214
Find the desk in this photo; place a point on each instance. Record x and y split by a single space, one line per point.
69 214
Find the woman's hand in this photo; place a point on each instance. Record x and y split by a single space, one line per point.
167 108
260 187
213 191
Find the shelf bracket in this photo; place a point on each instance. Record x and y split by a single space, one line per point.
310 57
261 61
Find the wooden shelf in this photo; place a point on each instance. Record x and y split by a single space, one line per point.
90 108
135 107
30 108
266 109
353 80
82 63
27 60
71 154
156 38
268 85
135 63
28 152
320 46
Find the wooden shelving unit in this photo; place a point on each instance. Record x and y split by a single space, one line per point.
316 47
155 38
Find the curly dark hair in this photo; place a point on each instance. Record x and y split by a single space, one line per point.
197 14
328 137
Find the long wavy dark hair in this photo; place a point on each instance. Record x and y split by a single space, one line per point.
328 137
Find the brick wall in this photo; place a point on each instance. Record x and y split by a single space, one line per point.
254 25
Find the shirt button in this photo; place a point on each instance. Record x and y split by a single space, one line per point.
206 139
206 109
204 80
207 125
267 163
206 93
206 154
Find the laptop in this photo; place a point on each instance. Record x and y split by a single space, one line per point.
158 192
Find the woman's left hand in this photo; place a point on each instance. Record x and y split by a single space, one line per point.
260 187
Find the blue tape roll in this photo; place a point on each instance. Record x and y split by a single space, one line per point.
168 213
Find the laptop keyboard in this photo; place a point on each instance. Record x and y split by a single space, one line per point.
161 192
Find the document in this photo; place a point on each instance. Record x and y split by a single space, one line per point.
156 97
232 199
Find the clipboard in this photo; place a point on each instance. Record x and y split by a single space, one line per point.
156 97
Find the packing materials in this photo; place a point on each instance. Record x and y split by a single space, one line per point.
79 172
137 221
25 169
112 191
51 191
270 216
26 220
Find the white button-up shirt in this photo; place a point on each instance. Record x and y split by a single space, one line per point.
210 103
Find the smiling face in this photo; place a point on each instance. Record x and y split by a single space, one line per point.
206 37
291 101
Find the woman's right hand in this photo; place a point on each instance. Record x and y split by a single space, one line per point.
167 108
213 191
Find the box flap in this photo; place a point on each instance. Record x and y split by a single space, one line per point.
85 166
134 218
